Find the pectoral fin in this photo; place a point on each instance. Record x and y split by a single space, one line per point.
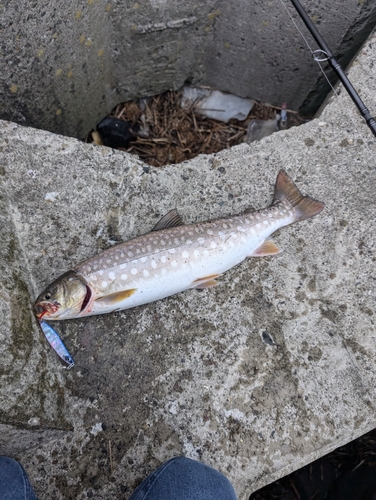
114 298
268 247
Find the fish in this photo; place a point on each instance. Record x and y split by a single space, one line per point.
56 343
172 258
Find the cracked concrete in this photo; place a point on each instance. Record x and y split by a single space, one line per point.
257 377
64 69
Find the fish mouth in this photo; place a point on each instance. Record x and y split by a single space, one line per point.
46 309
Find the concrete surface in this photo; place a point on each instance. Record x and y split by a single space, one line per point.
257 377
64 69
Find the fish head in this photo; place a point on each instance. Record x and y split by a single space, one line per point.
64 298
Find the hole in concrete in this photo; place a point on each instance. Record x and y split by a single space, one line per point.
160 131
348 473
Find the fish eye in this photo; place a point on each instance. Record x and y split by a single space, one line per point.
47 296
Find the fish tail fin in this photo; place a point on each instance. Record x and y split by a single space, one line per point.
304 207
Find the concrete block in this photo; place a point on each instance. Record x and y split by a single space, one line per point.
64 69
257 377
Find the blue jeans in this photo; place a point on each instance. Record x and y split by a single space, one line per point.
184 479
14 483
178 479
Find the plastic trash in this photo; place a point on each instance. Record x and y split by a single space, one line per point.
257 129
215 104
115 133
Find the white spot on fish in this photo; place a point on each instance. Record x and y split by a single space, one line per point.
94 277
209 231
163 259
201 240
124 277
176 241
144 259
213 244
134 271
149 248
189 242
163 242
225 226
130 254
258 225
172 250
111 275
100 272
122 254
153 264
108 261
146 273
240 228
138 251
104 284
191 233
123 266
185 254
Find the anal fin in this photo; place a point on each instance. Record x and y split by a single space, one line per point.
268 247
114 298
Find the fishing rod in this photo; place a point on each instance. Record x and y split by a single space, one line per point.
336 66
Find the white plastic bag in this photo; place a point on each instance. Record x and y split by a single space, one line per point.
215 104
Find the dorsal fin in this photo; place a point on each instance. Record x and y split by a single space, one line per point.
171 219
249 210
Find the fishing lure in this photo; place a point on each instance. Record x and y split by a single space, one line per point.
57 344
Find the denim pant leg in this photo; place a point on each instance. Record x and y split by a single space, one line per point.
184 479
14 483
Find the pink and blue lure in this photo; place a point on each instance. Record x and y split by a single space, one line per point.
57 344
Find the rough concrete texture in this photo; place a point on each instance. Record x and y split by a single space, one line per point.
65 68
257 377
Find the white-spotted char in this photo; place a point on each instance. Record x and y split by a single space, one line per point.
172 258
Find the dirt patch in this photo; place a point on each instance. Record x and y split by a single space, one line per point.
166 133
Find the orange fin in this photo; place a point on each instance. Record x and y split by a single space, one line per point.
206 284
171 219
206 281
116 297
205 278
268 247
304 206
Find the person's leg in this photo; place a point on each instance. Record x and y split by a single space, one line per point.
184 479
14 483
